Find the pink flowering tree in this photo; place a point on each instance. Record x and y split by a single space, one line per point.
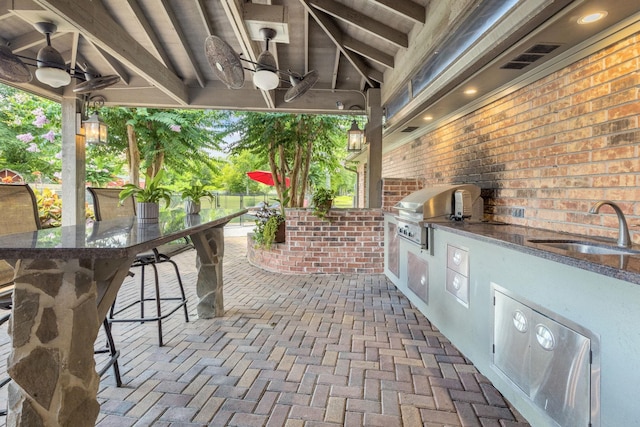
30 140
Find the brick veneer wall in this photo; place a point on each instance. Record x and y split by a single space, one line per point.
553 147
352 242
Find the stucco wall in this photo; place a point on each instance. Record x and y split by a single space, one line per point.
553 148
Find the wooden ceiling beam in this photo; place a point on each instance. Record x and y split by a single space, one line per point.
30 40
184 42
97 26
405 8
117 68
355 18
367 51
151 34
336 67
235 15
334 33
202 13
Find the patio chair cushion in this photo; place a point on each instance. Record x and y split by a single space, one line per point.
6 273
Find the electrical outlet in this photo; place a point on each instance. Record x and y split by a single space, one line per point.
517 212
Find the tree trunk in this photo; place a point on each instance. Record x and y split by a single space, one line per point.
133 156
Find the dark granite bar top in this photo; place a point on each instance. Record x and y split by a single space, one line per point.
623 267
113 238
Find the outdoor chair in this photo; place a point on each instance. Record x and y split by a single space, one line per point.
106 205
19 215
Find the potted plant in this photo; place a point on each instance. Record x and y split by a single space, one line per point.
147 197
269 227
322 200
192 195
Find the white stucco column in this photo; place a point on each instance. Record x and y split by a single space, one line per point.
374 139
73 163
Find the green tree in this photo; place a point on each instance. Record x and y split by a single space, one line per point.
181 140
290 143
233 175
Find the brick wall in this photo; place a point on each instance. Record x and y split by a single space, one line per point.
553 148
395 189
352 242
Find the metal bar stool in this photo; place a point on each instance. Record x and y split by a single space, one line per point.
106 205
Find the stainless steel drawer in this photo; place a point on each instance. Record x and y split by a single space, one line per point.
458 285
458 260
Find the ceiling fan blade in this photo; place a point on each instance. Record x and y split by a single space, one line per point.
96 83
224 61
12 68
300 86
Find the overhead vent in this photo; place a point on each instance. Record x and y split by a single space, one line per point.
530 56
409 129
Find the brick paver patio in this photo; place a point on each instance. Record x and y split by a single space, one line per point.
314 350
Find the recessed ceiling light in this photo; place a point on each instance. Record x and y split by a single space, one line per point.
428 118
471 91
592 17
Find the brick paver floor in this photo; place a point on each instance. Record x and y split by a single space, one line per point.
313 350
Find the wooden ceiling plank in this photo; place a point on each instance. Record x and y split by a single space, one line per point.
367 51
151 34
235 15
334 33
355 18
184 42
405 8
96 25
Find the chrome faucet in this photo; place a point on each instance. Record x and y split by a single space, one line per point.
624 239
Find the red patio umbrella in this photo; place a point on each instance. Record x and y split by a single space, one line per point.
264 177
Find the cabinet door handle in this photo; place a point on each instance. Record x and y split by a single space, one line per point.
520 321
545 337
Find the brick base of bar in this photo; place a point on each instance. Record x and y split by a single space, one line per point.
348 241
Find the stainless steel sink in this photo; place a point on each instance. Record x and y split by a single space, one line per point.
584 247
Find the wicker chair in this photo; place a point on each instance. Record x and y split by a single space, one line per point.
19 215
106 205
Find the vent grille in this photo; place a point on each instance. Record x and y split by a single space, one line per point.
409 129
530 56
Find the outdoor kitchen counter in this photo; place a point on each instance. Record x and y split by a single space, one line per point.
622 267
66 279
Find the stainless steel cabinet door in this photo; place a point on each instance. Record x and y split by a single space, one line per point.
512 353
560 372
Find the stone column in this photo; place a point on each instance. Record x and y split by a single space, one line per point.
53 328
210 247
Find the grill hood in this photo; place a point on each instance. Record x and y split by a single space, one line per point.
437 202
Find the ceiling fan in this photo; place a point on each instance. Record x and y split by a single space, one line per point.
50 67
227 64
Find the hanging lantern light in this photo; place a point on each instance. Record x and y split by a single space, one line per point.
95 130
355 135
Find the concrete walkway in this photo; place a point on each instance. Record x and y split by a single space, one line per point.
316 350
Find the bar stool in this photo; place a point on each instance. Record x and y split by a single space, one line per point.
106 205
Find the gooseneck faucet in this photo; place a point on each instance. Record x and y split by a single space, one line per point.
624 239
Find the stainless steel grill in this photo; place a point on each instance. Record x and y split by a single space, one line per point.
441 203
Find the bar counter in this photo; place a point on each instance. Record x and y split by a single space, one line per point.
66 279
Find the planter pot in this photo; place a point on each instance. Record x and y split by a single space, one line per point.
147 212
191 207
280 233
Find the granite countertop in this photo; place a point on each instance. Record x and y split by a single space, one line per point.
114 238
623 267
